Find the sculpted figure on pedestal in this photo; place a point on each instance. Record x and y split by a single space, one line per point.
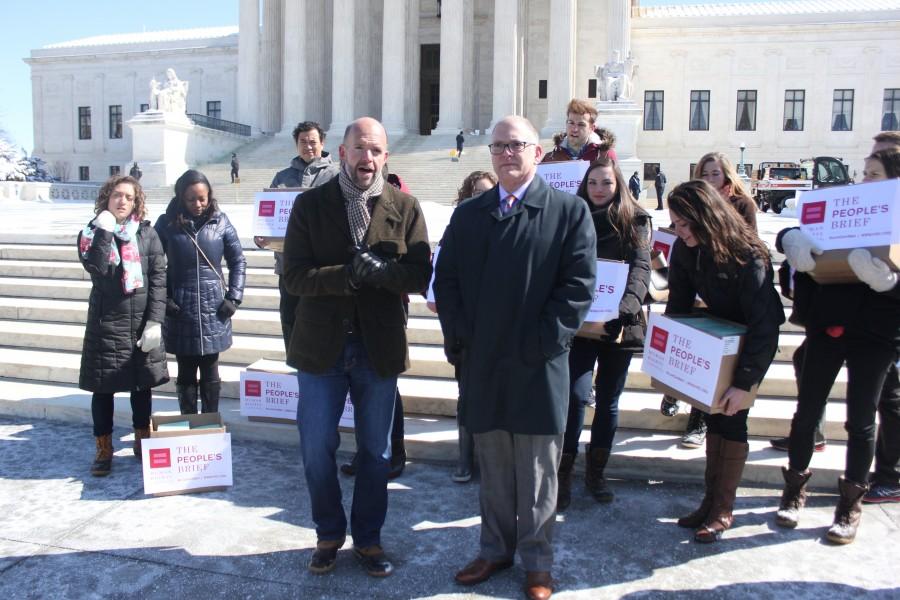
616 78
171 97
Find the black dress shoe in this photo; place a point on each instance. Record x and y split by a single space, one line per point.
480 570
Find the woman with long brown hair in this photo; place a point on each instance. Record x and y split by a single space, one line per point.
623 234
720 258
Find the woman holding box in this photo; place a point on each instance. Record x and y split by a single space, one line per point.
122 351
857 324
197 236
623 234
721 259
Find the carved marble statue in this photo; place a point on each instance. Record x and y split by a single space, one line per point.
616 78
171 96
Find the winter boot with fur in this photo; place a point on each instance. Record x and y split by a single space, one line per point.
848 512
103 460
793 498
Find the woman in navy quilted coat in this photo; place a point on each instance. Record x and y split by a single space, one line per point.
197 236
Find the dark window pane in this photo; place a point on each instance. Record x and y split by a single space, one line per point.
794 104
699 117
653 110
890 110
592 88
214 109
84 122
842 110
650 171
746 110
542 88
84 174
115 121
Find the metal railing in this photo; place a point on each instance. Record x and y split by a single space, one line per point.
220 124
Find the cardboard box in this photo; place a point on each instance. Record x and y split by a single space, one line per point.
189 460
271 213
840 219
609 287
270 393
693 358
662 240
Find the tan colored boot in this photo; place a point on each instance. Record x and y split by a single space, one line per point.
103 460
848 512
696 518
140 433
732 458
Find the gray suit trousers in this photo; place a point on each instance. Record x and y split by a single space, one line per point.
518 496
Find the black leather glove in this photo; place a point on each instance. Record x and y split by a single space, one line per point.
172 309
367 267
454 353
226 309
613 329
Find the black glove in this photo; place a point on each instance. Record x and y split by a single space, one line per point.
367 267
613 329
226 309
454 353
172 309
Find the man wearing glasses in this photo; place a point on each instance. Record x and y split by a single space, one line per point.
580 141
514 282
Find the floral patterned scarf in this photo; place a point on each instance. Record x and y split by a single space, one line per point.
129 256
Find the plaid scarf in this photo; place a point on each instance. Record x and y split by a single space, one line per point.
356 201
129 256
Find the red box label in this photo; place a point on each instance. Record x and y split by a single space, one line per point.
662 248
266 208
253 388
813 212
659 339
160 458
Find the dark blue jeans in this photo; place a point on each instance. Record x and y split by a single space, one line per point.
321 403
612 371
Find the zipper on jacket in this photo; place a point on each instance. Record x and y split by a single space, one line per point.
199 293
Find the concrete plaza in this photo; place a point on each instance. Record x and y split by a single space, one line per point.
65 534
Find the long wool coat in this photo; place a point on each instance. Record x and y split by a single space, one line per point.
195 286
317 250
110 361
511 292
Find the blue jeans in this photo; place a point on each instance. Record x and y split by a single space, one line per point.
321 403
612 371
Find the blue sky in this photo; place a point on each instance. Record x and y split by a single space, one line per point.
32 24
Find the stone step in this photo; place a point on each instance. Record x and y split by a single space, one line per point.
636 453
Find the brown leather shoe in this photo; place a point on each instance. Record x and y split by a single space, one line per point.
480 570
538 585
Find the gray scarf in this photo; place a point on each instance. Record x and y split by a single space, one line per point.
356 202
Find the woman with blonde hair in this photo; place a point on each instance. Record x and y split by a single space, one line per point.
718 257
121 351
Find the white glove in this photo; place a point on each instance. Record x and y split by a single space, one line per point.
105 220
872 271
152 335
799 250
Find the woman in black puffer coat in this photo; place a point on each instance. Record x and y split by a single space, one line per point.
121 351
720 258
623 234
196 236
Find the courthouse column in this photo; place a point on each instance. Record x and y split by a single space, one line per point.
294 62
506 24
342 66
451 82
270 63
561 77
393 67
618 29
248 62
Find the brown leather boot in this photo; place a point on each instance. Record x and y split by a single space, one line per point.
793 497
593 474
732 458
696 518
140 433
848 512
103 460
564 476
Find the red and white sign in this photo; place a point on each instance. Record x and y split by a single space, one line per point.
186 462
686 358
272 395
663 241
271 213
609 288
564 176
852 216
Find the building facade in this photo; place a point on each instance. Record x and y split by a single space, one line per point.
786 79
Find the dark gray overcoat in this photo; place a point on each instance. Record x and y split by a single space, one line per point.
511 292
